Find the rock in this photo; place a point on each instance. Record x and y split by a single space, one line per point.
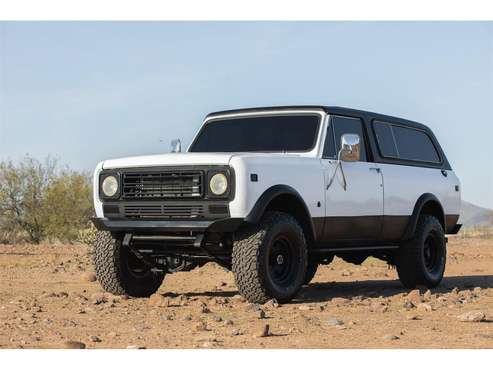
95 339
201 326
89 277
472 316
476 291
229 322
304 307
414 296
217 318
339 301
424 307
204 309
408 304
271 303
132 346
427 296
261 314
455 291
390 337
413 317
379 307
167 317
238 298
98 298
264 331
334 321
72 344
157 300
188 317
236 332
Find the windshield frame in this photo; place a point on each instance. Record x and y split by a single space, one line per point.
313 151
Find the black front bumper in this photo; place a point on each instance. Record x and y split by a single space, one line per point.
163 226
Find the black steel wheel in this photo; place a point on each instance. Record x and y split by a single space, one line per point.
269 259
422 260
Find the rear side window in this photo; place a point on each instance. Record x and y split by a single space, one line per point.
404 143
414 145
349 125
385 139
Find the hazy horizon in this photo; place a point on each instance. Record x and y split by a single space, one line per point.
88 91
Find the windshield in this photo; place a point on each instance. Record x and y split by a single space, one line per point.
296 133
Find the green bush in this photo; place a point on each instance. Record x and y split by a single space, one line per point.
39 201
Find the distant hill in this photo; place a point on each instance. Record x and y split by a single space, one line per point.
472 215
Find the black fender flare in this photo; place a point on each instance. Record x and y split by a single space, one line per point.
413 221
270 194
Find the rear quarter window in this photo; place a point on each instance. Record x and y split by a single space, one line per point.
415 145
406 143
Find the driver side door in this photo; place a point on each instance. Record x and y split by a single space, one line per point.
354 213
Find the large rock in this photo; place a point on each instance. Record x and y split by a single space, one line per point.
157 300
472 316
334 321
414 296
72 344
89 276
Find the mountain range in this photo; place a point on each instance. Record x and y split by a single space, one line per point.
473 215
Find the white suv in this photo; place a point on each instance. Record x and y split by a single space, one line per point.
271 193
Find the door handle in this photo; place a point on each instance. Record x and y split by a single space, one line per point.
376 169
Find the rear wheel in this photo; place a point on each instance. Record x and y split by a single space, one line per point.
119 271
269 259
421 261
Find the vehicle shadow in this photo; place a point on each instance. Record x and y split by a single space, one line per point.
322 292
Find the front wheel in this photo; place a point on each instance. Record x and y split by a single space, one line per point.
269 259
120 272
421 261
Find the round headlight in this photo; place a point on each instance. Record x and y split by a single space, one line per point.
218 184
110 186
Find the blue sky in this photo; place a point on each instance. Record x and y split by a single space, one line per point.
88 91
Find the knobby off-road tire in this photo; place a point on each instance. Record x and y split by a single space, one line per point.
269 259
120 272
311 270
421 261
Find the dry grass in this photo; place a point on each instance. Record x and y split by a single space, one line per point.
476 232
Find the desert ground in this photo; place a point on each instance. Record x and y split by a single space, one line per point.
48 299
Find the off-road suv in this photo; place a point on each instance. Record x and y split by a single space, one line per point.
272 193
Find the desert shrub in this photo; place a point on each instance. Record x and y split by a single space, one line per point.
40 201
87 235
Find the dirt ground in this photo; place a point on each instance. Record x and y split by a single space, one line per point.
47 299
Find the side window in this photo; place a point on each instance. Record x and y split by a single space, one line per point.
348 125
385 139
329 146
414 145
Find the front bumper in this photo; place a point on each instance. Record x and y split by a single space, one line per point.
162 226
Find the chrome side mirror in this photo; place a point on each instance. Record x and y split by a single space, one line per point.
175 146
350 148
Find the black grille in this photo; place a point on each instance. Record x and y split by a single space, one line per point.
162 185
163 211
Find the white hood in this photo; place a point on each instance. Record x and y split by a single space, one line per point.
170 159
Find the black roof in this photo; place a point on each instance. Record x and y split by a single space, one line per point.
330 110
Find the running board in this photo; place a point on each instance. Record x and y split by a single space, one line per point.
356 249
